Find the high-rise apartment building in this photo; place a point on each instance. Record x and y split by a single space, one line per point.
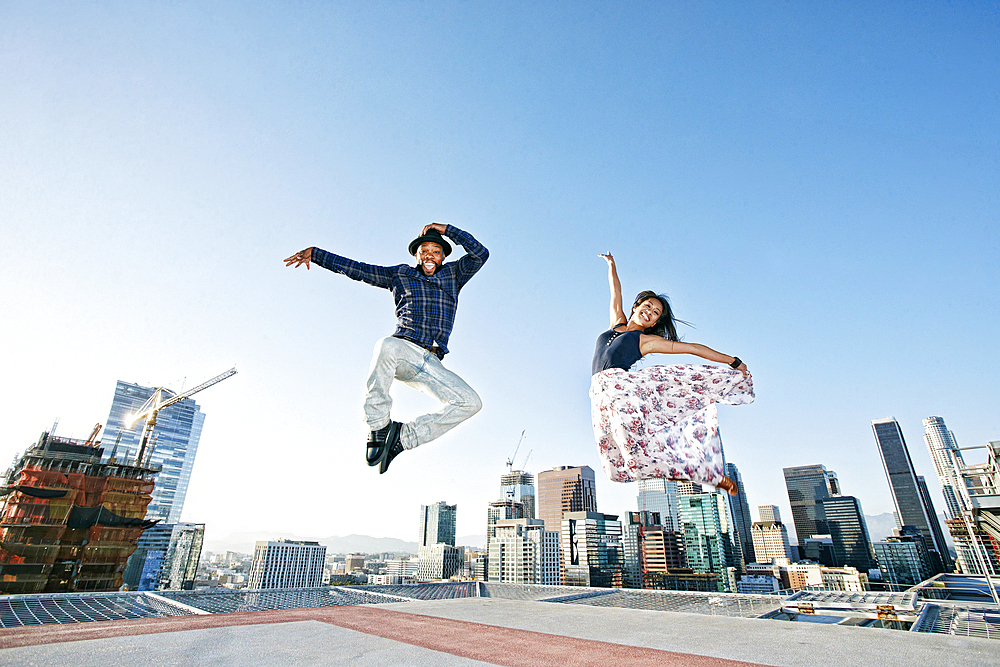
904 559
741 517
770 541
174 441
519 486
708 537
439 561
948 463
180 562
437 524
286 564
592 549
650 551
502 510
911 505
659 495
523 552
687 488
807 487
142 571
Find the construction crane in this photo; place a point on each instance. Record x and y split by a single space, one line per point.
92 440
151 408
510 461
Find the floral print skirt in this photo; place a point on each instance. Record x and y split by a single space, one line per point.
661 421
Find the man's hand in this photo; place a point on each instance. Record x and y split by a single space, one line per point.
300 258
436 226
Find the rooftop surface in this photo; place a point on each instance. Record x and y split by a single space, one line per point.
451 624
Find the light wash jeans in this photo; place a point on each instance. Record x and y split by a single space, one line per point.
398 359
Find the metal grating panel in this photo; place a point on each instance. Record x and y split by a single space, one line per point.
20 610
443 591
961 621
226 601
712 604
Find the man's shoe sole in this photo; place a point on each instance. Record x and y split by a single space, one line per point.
380 452
391 439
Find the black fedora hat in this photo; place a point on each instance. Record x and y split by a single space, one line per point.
432 236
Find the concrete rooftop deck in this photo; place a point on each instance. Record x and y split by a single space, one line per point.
478 631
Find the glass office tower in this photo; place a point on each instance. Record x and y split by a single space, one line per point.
437 524
807 487
741 516
659 495
911 505
846 522
708 536
174 442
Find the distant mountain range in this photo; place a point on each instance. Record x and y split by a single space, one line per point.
349 544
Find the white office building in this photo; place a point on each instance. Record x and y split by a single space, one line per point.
286 564
523 552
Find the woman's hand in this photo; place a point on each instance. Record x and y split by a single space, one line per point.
610 260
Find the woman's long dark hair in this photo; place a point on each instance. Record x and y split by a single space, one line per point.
666 326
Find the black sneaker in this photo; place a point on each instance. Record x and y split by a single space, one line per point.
377 440
392 449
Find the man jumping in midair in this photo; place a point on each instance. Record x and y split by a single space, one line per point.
426 299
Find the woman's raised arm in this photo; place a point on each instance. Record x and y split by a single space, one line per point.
617 313
655 344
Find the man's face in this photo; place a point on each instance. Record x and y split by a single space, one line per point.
430 257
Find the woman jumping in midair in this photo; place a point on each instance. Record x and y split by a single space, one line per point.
659 421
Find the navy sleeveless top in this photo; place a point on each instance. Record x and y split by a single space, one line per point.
616 350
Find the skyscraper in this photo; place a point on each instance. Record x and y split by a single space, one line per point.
770 537
945 554
741 516
523 552
948 462
592 549
180 563
286 564
807 487
174 440
565 489
911 507
846 522
501 510
657 494
519 486
437 524
708 537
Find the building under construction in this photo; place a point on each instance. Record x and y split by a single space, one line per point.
69 521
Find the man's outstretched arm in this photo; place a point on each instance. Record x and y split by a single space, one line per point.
379 276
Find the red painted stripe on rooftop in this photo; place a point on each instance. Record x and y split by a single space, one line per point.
487 643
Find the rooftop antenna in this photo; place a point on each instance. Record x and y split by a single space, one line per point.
510 461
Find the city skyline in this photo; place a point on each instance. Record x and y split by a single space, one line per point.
813 187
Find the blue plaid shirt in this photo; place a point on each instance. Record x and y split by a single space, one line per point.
425 305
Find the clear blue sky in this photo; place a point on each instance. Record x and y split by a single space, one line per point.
816 187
